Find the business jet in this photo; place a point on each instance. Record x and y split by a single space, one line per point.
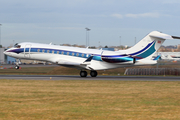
92 59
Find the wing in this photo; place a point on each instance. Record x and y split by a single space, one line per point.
78 65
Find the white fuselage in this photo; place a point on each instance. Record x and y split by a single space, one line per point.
67 56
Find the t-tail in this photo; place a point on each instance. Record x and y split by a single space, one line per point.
145 48
142 52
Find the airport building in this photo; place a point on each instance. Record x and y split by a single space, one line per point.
2 56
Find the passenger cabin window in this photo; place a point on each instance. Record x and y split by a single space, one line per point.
47 51
43 51
62 52
17 46
57 52
53 51
38 50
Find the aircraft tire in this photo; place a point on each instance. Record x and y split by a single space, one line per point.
83 74
93 73
16 67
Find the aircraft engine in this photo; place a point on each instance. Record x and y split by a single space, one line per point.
117 58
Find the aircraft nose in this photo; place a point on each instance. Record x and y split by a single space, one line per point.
5 52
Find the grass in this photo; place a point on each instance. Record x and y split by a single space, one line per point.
81 99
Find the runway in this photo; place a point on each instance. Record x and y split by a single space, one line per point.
76 77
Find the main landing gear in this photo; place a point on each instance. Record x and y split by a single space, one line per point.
92 73
83 73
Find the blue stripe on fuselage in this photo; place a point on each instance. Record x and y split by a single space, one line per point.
131 54
148 52
20 50
56 51
142 49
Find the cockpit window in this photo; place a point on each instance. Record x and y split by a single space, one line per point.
17 46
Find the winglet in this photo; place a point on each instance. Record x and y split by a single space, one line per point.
156 58
88 60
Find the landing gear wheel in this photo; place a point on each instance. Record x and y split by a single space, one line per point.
17 67
83 73
93 73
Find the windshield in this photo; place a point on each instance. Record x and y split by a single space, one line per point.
17 46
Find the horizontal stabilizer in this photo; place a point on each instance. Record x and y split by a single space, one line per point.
175 37
162 35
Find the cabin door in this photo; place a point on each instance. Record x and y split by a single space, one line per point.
27 50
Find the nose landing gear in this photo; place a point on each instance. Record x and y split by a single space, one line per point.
16 67
17 64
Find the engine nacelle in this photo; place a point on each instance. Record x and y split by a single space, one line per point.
112 57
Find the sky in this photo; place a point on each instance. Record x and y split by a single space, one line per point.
112 22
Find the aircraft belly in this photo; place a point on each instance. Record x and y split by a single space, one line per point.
40 56
100 65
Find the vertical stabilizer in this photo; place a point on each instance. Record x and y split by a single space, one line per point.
148 45
141 53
